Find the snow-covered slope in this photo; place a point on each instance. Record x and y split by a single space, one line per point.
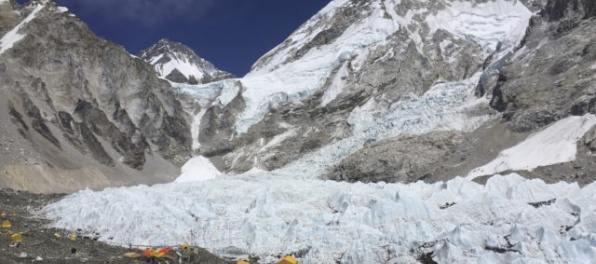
555 144
292 71
352 55
180 64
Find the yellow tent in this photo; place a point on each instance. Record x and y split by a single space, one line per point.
132 254
242 262
6 224
16 238
288 260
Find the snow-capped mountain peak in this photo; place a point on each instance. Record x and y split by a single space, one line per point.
179 63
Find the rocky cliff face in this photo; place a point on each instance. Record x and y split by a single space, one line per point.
550 76
79 111
180 64
553 76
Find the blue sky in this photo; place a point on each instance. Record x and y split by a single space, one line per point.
232 34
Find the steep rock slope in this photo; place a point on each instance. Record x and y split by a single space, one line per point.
354 66
552 76
79 111
180 64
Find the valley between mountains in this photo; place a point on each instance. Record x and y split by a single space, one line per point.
381 131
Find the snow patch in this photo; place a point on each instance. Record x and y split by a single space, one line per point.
280 138
207 93
154 60
183 65
198 169
195 129
337 85
555 144
486 24
228 93
14 36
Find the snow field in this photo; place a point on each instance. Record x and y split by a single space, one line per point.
198 169
555 144
355 223
183 65
484 23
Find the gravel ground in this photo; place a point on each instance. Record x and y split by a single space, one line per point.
41 245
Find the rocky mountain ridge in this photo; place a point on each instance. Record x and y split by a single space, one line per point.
79 111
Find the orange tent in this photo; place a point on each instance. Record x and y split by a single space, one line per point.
158 253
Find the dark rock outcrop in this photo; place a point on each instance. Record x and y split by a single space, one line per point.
554 74
403 159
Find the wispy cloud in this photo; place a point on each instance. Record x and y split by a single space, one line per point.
147 12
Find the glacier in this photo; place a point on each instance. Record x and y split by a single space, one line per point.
459 221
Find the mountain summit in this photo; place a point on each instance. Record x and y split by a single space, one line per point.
180 64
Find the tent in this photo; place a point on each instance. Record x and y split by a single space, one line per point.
288 260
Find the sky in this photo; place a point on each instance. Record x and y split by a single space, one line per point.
232 34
